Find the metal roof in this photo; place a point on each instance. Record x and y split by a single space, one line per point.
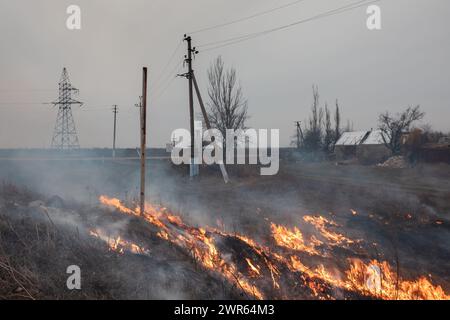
351 138
375 137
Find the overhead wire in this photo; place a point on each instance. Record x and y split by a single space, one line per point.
247 17
234 40
164 69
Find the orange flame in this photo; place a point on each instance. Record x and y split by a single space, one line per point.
373 279
194 240
292 239
320 223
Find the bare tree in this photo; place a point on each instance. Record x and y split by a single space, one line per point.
430 135
227 105
313 133
328 138
349 127
318 134
337 123
394 126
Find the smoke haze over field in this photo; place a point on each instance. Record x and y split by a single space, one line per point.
406 63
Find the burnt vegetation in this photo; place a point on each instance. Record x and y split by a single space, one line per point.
256 240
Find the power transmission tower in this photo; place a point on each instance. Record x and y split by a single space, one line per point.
115 111
65 135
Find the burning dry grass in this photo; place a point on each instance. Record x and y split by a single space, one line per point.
36 249
263 271
166 254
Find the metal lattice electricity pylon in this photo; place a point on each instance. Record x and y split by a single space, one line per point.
65 135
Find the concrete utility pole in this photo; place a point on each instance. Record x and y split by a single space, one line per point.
188 60
193 168
115 111
143 137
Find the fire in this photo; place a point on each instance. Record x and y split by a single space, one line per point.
371 279
196 241
118 244
112 202
254 269
379 280
292 239
375 279
321 223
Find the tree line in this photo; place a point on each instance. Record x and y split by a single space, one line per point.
318 134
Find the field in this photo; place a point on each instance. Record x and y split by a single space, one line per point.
314 231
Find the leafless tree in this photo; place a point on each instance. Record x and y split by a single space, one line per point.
227 107
328 138
318 134
431 135
394 126
337 123
349 127
313 133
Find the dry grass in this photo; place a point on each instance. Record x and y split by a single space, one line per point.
36 249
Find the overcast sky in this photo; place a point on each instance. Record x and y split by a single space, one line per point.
406 63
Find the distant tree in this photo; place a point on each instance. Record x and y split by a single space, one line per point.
318 134
312 137
416 139
349 127
337 123
394 126
430 135
329 133
227 107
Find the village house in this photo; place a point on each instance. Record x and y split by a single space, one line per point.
365 146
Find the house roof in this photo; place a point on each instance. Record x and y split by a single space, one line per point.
351 138
374 137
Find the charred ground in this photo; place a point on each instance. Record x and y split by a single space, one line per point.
401 214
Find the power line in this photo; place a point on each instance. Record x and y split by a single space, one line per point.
166 77
341 9
238 39
20 103
29 90
164 84
172 56
247 17
161 92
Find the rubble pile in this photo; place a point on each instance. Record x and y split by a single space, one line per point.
394 162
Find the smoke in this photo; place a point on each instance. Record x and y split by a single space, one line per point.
391 210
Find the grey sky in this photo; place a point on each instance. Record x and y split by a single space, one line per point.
368 71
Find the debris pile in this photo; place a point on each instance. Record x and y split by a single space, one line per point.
394 162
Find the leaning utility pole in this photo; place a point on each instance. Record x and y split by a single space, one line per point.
143 117
208 124
114 132
188 60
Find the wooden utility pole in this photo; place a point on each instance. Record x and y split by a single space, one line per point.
191 100
143 137
299 133
114 132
